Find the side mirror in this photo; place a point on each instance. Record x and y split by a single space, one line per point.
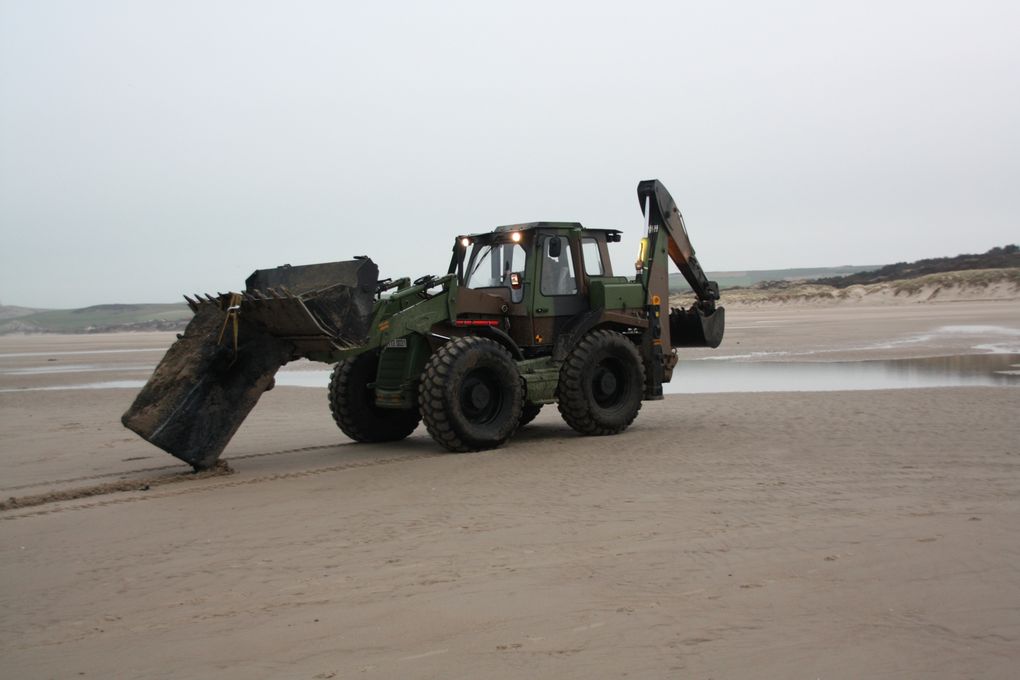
555 248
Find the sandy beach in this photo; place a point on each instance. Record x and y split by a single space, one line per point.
830 533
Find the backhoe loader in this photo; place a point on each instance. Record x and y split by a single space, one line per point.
526 315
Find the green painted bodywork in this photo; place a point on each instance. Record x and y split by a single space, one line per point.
400 365
540 379
616 293
412 320
411 310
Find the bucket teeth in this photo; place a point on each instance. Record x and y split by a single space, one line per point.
201 299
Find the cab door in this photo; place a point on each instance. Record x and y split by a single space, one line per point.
557 295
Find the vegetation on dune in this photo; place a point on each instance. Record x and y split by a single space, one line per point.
976 278
925 278
996 258
964 284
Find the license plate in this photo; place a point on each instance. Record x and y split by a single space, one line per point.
397 342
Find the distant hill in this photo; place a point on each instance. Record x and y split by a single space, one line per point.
12 312
1005 257
993 275
745 279
95 319
954 286
997 258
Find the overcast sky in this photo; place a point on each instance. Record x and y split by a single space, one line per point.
149 149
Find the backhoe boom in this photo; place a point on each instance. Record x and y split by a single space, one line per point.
660 210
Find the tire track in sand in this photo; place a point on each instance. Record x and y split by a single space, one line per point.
15 504
160 468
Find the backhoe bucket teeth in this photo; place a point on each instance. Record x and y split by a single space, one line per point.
205 386
694 328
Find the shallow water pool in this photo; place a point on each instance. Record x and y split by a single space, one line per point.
700 377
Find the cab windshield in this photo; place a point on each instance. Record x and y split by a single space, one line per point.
490 265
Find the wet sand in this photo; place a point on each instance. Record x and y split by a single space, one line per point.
832 534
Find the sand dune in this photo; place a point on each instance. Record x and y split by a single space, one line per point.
974 285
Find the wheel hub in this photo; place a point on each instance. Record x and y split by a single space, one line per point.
480 396
608 385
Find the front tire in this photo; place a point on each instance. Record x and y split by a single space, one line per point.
352 403
470 395
601 384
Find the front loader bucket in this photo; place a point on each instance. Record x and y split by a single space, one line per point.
206 385
201 393
694 328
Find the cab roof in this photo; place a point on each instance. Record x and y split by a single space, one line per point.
529 226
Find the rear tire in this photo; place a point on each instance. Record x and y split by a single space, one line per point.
352 403
471 395
601 384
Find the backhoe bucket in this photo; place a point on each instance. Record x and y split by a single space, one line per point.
694 328
208 382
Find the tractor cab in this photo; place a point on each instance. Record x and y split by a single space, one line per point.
539 272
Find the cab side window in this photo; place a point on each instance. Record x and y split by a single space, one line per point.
592 257
558 276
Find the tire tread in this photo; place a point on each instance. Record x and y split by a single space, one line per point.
572 401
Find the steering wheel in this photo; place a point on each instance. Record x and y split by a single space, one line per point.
428 278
